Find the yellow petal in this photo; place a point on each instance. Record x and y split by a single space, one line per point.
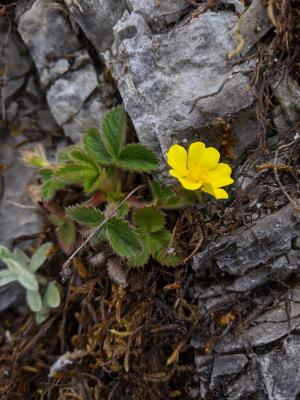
217 193
177 159
220 176
195 153
189 185
209 158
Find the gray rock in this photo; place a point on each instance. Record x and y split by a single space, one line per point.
96 18
247 385
158 14
251 280
280 371
66 70
46 31
225 367
15 221
175 85
267 327
67 95
270 238
287 93
10 295
251 27
90 113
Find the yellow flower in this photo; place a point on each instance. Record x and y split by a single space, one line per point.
199 168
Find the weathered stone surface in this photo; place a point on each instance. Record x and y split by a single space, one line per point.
15 221
176 85
280 371
67 95
252 26
267 240
287 93
96 18
158 15
47 33
66 70
227 366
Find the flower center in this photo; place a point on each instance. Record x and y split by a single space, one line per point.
197 173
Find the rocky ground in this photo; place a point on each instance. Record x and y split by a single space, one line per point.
222 71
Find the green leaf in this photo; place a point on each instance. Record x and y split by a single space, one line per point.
21 257
165 197
66 235
149 219
34 300
49 185
52 295
7 278
64 155
140 259
137 157
85 215
114 128
39 257
122 238
164 257
23 276
73 173
28 280
93 145
56 220
42 315
5 253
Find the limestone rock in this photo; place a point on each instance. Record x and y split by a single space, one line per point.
176 85
268 240
96 18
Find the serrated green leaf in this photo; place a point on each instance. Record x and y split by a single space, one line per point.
49 185
164 257
93 145
66 235
73 173
114 128
21 257
122 238
140 259
39 257
52 296
64 155
85 215
91 182
137 157
34 300
149 219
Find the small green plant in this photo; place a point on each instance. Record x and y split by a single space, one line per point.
22 269
102 165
